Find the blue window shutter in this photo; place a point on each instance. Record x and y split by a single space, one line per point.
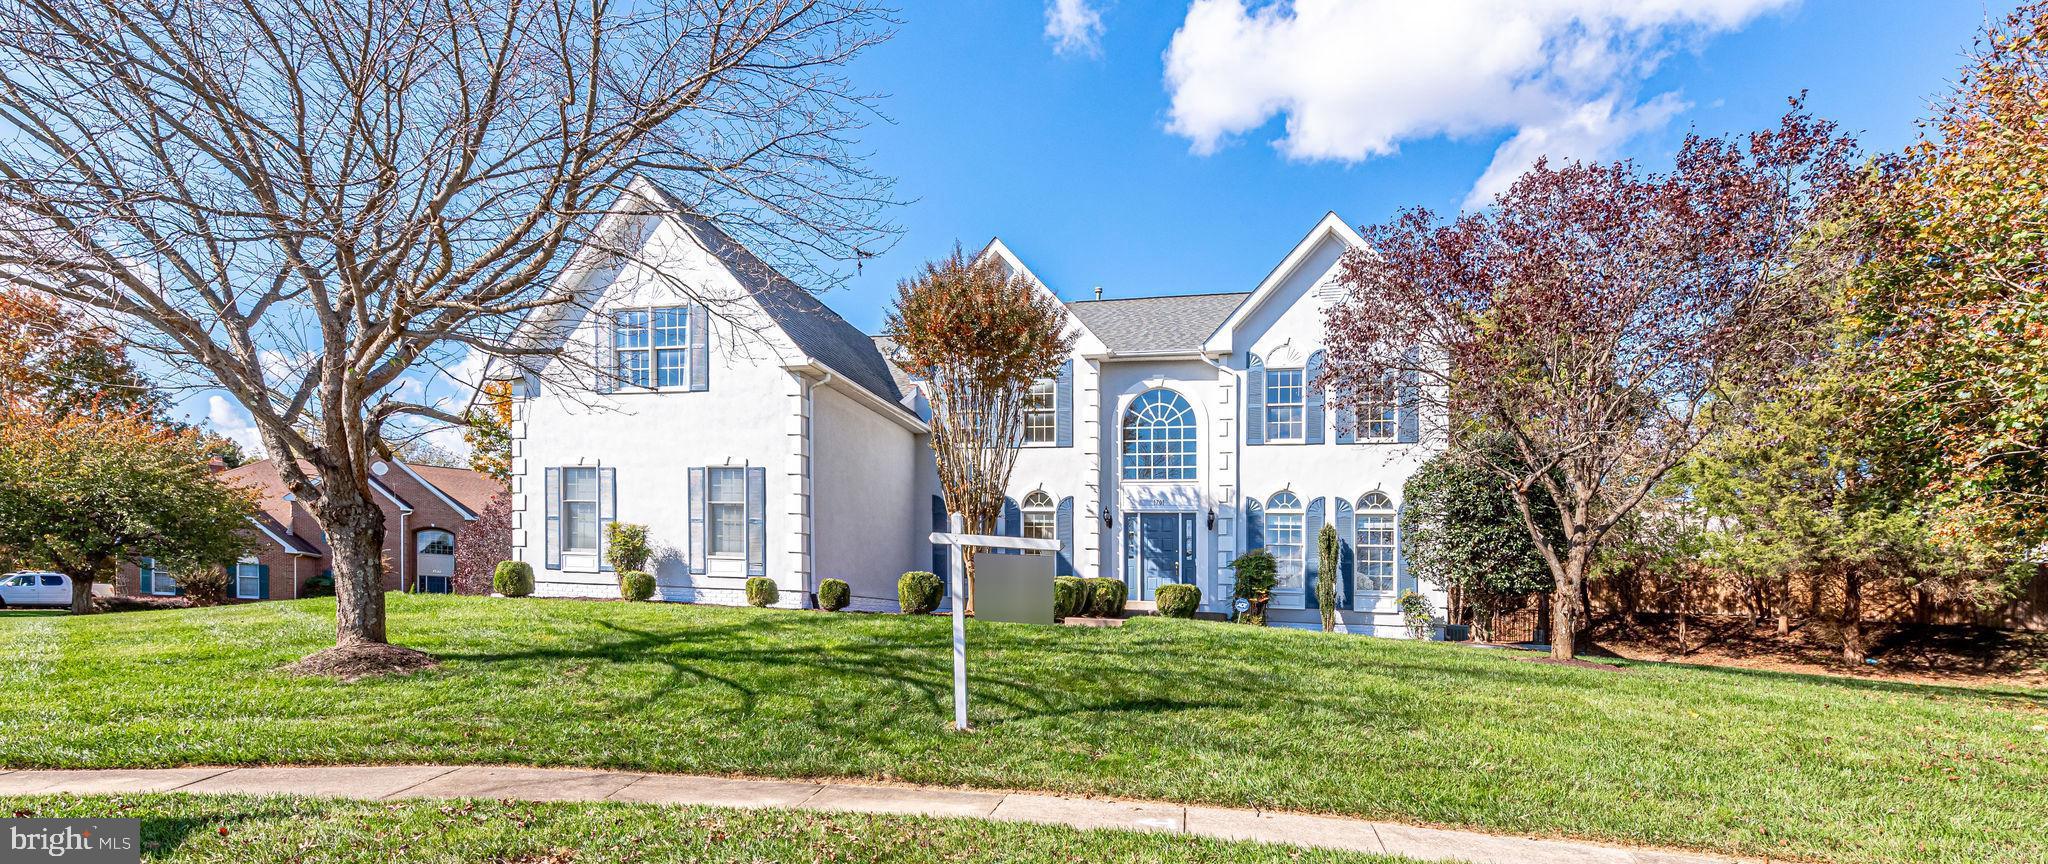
145 572
939 557
607 378
1410 430
1312 556
1344 560
262 581
553 542
700 348
1347 423
607 513
1312 396
1063 406
1063 528
1013 522
699 540
757 521
1254 525
1254 400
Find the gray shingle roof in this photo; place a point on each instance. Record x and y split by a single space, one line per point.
817 331
1143 325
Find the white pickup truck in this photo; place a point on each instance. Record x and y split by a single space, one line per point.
35 588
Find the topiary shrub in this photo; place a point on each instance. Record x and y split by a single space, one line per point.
834 594
625 543
1106 597
761 591
1257 574
636 585
918 592
512 578
1069 597
1178 601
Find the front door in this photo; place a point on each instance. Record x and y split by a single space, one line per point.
1159 549
436 562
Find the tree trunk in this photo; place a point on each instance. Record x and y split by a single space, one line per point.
1784 589
355 537
1568 605
81 593
1852 616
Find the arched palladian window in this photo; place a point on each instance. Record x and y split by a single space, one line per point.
435 542
1159 437
1038 516
1286 538
1375 544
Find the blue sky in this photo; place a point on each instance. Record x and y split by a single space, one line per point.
1183 146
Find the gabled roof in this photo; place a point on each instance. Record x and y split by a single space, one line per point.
1156 325
1329 226
816 330
467 490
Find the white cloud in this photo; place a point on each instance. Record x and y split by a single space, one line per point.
1073 26
1355 78
232 421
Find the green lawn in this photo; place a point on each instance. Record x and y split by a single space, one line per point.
1717 759
192 828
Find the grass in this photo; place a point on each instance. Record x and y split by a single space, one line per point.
191 828
1727 760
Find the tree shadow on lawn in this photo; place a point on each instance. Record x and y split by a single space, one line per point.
1991 696
923 672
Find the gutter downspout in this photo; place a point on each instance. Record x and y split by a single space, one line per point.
404 568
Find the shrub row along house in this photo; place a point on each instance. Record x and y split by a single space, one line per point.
756 433
429 512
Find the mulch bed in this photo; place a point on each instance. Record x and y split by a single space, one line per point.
365 660
127 603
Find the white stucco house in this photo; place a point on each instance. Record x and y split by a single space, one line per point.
756 433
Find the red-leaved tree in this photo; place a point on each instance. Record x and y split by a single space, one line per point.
1602 319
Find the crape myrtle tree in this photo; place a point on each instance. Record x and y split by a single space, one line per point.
314 207
976 336
1598 316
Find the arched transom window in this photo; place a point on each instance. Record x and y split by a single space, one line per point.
1038 515
436 543
1159 437
1286 538
1375 544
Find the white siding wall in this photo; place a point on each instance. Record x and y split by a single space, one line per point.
866 509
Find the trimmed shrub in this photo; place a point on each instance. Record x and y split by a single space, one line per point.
1257 575
320 584
636 585
1106 597
625 543
511 578
834 594
1069 597
207 586
761 591
1178 601
919 592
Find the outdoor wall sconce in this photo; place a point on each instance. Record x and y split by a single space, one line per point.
1107 520
1212 518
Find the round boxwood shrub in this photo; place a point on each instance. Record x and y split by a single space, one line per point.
1106 597
1069 597
321 584
834 594
510 578
761 591
636 585
1178 601
918 592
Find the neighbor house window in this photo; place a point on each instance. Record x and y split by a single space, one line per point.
156 577
728 512
1375 544
1283 404
652 346
1038 516
1039 423
579 510
1159 438
1284 538
248 579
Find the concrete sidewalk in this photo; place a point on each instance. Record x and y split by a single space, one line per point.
550 784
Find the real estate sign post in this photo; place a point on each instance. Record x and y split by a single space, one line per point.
957 588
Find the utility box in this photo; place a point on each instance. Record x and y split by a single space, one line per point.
1013 587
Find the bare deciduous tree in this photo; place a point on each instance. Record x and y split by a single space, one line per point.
309 204
1600 319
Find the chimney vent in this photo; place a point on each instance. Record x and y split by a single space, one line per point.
1098 292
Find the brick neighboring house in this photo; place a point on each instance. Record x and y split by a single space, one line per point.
427 513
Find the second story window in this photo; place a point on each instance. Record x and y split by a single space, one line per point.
1039 422
1284 405
652 347
1038 516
